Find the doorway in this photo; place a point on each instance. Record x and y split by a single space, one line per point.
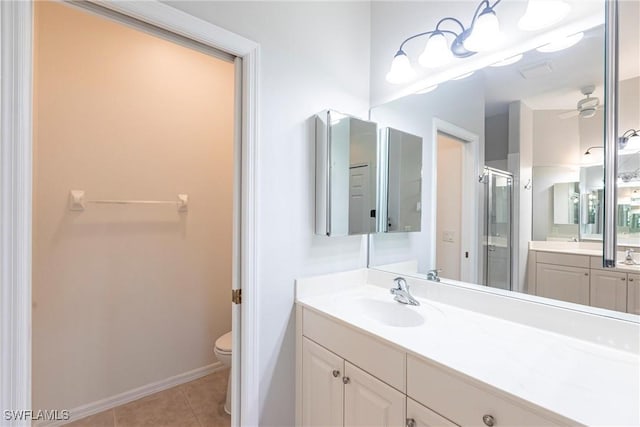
449 206
15 189
464 218
131 281
497 237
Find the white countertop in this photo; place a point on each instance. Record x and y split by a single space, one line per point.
577 248
585 248
578 379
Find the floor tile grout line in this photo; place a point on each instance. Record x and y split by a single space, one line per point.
190 405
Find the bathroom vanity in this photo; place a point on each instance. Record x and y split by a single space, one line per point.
365 359
573 272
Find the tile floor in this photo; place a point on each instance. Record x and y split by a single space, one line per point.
199 403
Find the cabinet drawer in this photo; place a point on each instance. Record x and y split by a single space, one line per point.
563 259
461 401
563 283
421 416
608 290
389 363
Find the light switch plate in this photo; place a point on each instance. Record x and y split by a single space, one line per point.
449 236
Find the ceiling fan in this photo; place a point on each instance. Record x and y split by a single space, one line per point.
586 107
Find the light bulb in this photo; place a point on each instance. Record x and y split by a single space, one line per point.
485 33
543 13
401 70
436 52
560 44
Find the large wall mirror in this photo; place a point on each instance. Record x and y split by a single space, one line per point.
513 157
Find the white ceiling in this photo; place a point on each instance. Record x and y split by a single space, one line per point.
573 68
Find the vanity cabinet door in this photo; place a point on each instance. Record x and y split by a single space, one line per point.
421 416
322 387
563 283
608 290
633 294
370 402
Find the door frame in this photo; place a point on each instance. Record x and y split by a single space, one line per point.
16 168
470 221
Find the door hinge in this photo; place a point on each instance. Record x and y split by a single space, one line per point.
236 296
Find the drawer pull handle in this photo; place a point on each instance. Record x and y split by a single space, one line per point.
336 373
346 380
411 422
488 420
586 274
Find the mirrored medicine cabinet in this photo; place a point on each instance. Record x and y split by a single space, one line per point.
366 181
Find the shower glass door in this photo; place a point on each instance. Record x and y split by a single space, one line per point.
497 233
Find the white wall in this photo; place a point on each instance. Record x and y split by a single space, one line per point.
556 141
520 161
124 296
415 114
314 55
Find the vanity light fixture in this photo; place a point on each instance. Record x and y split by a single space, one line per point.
588 152
508 61
482 34
561 44
630 140
542 14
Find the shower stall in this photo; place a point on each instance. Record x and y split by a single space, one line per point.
497 235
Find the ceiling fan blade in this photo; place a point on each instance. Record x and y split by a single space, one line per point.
568 114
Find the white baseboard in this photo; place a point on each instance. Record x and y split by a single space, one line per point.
131 395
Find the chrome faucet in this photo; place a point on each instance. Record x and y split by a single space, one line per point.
401 292
433 275
628 259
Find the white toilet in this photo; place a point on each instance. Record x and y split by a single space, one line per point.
222 349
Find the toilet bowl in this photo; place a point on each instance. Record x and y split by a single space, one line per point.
222 350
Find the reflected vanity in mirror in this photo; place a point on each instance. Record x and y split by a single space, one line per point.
346 174
538 126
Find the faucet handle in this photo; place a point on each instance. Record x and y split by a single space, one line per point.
401 283
434 274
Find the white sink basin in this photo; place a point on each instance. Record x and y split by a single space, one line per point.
390 313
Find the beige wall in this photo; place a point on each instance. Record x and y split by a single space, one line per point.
126 295
449 207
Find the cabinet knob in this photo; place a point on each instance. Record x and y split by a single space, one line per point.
586 274
411 422
630 279
488 420
336 373
623 278
346 380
